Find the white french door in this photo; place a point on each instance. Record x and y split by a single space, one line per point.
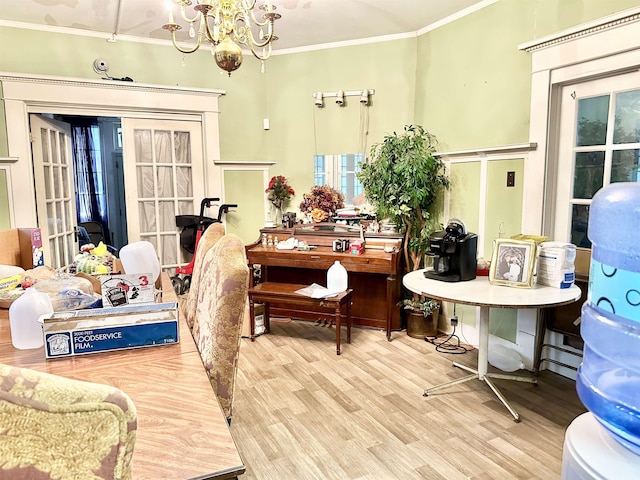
55 199
599 144
164 177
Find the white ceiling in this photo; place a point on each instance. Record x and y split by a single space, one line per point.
304 22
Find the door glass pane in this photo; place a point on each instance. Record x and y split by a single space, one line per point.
47 182
54 146
62 151
151 239
44 137
627 121
143 146
579 222
69 247
51 218
625 166
169 250
52 252
147 212
69 221
61 252
592 121
167 216
165 182
67 192
145 182
186 208
183 147
588 174
56 182
58 217
183 182
163 146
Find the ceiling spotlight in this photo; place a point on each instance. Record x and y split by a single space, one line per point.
340 97
318 102
364 97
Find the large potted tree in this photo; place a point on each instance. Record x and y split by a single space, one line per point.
403 180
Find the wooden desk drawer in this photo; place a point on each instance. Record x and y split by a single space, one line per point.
375 261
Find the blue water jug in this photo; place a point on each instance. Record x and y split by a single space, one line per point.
608 381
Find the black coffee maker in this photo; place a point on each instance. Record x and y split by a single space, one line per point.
454 252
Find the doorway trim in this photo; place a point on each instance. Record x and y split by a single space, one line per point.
24 94
595 49
600 48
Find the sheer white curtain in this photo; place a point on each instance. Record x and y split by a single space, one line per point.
164 176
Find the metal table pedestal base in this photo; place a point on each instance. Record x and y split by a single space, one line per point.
475 375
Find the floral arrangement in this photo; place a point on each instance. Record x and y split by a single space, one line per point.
279 191
322 202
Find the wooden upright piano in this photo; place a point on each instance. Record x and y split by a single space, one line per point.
373 275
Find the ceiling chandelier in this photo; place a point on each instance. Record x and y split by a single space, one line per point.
225 24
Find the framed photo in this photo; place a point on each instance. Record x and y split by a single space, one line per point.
512 262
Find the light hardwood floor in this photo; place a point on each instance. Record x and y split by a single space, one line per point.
301 412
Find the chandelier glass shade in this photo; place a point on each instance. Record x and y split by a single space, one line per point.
226 24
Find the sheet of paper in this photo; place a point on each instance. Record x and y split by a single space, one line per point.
317 291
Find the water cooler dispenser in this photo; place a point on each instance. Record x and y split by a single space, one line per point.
608 381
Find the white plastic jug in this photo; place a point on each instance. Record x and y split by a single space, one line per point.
337 278
140 257
504 358
24 312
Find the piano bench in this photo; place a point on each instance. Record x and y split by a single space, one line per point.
284 294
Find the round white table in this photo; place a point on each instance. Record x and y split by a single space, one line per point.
479 292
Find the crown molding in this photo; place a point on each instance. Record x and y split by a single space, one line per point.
606 23
102 84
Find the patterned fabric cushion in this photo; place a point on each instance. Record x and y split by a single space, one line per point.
222 296
53 427
211 235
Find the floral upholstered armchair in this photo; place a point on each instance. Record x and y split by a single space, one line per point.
222 296
188 302
53 427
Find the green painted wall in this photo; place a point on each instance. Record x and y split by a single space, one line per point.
473 85
299 129
503 323
464 194
504 204
236 185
